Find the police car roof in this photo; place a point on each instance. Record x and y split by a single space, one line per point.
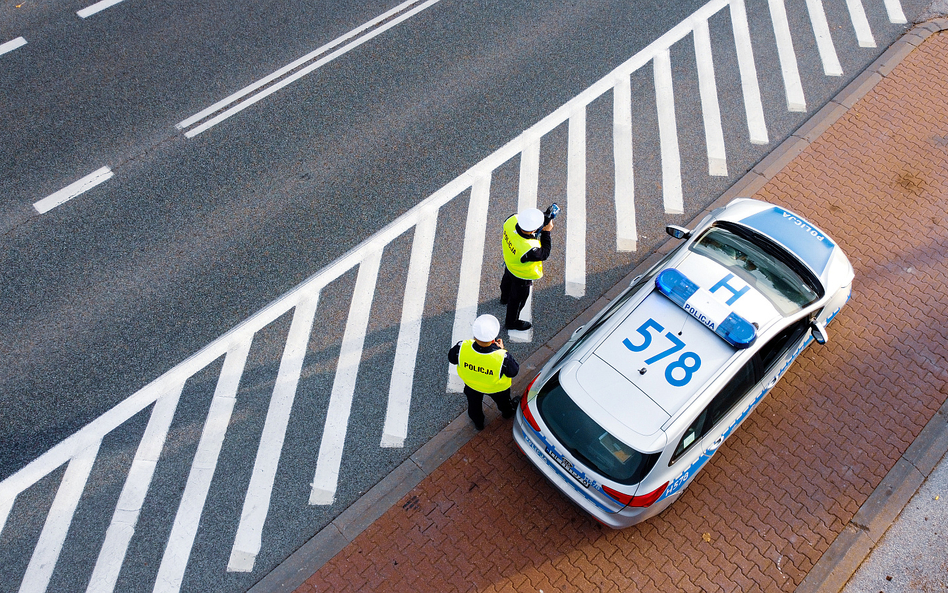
632 385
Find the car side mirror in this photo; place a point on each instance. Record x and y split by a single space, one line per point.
818 329
678 232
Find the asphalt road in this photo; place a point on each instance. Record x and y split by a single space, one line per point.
101 295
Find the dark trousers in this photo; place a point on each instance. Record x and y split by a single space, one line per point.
475 408
514 291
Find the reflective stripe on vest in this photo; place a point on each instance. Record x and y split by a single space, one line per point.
481 372
514 245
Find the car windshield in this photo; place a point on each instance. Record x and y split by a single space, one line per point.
587 441
762 264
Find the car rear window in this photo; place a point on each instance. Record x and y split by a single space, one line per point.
589 442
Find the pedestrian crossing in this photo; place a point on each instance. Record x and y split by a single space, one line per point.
161 398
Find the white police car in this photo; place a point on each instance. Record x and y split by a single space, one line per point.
629 410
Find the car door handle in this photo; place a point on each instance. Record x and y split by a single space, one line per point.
717 442
772 383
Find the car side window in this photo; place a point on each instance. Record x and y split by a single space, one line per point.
775 349
729 395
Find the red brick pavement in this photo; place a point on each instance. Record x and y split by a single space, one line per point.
781 489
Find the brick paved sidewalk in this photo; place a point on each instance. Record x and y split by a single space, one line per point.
790 480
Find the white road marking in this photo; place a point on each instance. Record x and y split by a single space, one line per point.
626 233
788 58
824 41
186 521
857 13
894 9
668 134
50 544
710 106
575 272
257 500
527 198
395 429
139 477
368 36
12 45
71 191
745 62
329 460
97 7
472 259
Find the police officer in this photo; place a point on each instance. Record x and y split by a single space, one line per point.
486 369
524 254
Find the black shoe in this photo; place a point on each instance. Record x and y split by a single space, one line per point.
520 325
508 415
479 425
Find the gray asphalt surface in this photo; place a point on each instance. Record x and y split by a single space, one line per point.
107 292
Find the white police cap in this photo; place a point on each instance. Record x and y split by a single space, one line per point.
530 219
486 328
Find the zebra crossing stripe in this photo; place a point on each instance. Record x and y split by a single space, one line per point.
894 10
527 198
185 526
824 41
472 259
125 518
710 106
50 544
575 270
395 429
788 58
257 500
668 133
626 233
343 388
857 14
745 61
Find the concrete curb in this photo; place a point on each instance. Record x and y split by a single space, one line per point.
851 546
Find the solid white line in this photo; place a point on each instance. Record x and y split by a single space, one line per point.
12 45
257 500
472 259
58 520
125 517
788 58
745 62
71 191
894 9
290 67
395 429
710 106
180 542
824 40
668 134
329 460
860 23
626 233
305 71
97 7
575 269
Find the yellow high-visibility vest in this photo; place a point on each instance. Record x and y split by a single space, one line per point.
481 372
514 245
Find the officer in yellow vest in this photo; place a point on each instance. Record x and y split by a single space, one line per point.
525 247
486 369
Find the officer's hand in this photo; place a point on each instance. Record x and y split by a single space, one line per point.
499 342
548 227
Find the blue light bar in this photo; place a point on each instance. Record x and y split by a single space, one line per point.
700 304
